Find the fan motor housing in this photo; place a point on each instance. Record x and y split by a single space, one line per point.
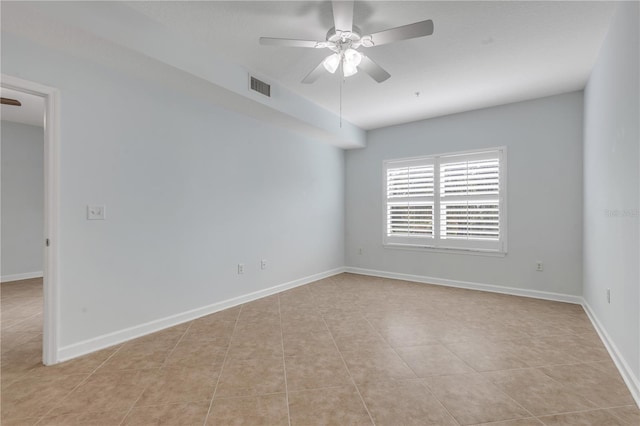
339 36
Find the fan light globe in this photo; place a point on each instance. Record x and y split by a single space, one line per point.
352 57
331 63
348 69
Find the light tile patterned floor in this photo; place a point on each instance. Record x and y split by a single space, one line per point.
344 350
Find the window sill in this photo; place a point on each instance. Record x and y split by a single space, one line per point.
445 250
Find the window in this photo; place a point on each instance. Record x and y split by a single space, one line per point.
448 201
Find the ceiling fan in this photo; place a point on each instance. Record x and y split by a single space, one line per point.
344 38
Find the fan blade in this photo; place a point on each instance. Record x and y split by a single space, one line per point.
268 41
343 15
7 101
314 74
374 70
405 32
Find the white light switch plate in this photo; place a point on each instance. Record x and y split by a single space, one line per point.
95 212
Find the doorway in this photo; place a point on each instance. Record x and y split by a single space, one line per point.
49 243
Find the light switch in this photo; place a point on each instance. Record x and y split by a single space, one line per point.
95 212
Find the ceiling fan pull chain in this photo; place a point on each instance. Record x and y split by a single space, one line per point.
341 84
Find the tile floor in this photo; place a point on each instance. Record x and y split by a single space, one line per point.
346 350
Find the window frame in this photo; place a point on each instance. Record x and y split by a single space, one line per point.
435 243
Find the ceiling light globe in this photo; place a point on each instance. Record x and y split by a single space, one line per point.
348 69
331 63
352 57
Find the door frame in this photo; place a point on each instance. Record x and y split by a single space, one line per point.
50 268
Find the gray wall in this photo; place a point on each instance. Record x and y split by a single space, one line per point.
190 189
611 186
22 200
544 142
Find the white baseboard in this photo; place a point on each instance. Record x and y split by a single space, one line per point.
91 345
633 383
536 294
18 277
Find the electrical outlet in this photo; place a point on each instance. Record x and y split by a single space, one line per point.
95 212
609 295
263 264
539 266
240 268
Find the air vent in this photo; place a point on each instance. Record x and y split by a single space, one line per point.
260 87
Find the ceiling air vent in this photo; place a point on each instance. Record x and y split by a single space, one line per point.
260 87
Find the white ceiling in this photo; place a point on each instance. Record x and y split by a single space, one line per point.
481 53
31 112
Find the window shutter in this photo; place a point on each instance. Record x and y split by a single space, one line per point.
414 181
449 201
410 189
470 220
410 219
469 198
479 177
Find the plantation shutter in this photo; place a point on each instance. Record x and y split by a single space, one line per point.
410 201
449 201
470 201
